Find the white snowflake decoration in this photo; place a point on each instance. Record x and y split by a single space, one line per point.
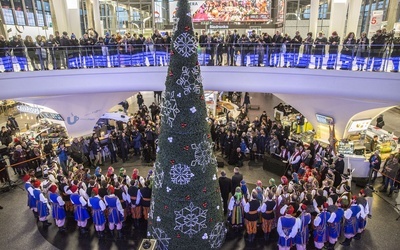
187 85
205 236
217 235
151 211
158 175
161 237
190 220
217 207
203 154
214 177
158 219
175 26
193 110
168 189
179 95
196 74
170 139
181 174
185 44
169 108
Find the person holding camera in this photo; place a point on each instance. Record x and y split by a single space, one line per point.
377 45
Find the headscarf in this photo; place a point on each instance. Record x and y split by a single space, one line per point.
97 171
238 194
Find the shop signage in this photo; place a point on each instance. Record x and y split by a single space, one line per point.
324 119
215 26
28 109
52 116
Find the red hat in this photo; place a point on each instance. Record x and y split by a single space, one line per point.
53 188
303 207
290 210
26 178
284 180
36 184
73 188
362 192
110 189
326 205
95 191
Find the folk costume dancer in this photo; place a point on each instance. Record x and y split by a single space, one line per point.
251 216
334 224
302 236
287 228
268 215
42 204
136 210
235 207
362 219
80 212
321 229
143 199
98 206
350 226
31 199
57 208
115 212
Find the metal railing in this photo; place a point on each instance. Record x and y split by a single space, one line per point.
346 57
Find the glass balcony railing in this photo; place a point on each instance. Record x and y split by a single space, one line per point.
344 57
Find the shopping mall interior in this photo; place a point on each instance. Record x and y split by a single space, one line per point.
78 98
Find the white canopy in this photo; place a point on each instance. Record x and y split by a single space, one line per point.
116 116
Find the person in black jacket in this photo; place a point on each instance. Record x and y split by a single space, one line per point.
236 179
5 54
277 41
18 48
339 164
377 45
225 185
333 42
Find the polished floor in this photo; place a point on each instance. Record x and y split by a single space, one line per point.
18 229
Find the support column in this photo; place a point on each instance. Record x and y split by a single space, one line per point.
354 17
338 17
314 12
89 13
392 13
96 17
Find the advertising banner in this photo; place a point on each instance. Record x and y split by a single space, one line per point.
227 10
375 22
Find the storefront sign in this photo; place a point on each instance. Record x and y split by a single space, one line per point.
324 119
212 26
51 116
28 109
375 22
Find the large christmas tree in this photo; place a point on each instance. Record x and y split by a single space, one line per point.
186 209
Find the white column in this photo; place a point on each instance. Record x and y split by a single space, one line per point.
96 17
353 17
338 17
314 12
67 16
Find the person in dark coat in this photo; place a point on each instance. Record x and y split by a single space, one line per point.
236 179
395 55
246 101
377 44
225 185
333 42
379 121
339 164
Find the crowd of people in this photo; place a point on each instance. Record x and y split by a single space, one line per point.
309 210
277 50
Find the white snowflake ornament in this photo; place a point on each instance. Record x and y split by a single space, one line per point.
179 95
190 220
168 189
158 219
170 139
203 155
161 237
214 177
185 44
180 174
158 175
184 80
205 236
217 207
217 235
169 108
193 109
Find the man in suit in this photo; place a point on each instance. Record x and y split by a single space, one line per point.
225 185
236 179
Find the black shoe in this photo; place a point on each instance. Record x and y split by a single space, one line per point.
1 207
357 236
370 216
46 223
62 229
346 242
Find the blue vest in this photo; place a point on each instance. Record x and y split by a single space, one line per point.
57 211
287 226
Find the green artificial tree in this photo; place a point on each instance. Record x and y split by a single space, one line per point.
186 210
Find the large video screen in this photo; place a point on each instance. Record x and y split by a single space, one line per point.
360 125
227 10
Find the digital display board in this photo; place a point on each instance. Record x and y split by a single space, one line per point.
359 125
324 119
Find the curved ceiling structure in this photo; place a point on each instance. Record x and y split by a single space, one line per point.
338 94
